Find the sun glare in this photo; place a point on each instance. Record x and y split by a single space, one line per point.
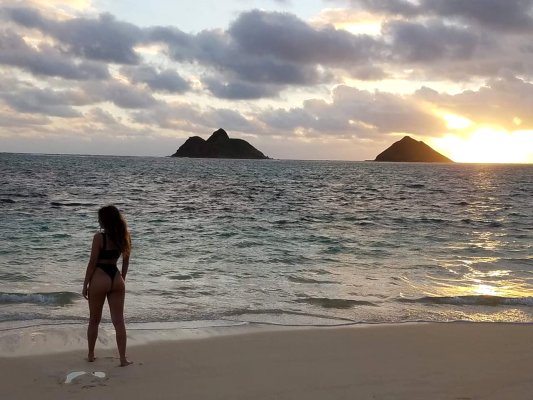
456 121
487 145
486 290
360 28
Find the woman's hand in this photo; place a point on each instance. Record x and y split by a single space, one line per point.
85 292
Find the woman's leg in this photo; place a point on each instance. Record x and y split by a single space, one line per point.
115 298
98 288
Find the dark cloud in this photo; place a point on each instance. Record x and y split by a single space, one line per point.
181 45
28 17
430 42
120 94
234 72
368 73
263 54
286 37
26 97
232 55
193 119
45 101
165 81
101 39
239 90
174 116
46 60
504 15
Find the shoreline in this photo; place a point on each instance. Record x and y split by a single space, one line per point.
401 361
44 338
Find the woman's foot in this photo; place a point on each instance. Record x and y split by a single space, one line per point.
125 362
91 357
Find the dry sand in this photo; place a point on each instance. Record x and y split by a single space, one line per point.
415 361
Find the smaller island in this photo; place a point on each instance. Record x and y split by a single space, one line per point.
219 145
411 150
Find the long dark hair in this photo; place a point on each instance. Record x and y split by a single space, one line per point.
115 226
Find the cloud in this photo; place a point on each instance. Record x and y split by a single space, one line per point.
100 116
46 60
220 53
164 81
25 97
15 121
286 37
430 42
44 101
120 94
356 113
264 53
192 118
270 55
233 120
177 116
101 39
239 90
181 44
501 102
507 15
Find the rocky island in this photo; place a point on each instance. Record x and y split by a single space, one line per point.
219 145
411 150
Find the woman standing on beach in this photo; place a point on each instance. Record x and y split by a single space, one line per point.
103 279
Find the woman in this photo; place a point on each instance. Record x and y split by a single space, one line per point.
103 279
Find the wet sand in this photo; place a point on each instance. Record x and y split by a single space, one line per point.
410 361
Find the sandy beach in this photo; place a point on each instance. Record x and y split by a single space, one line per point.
411 361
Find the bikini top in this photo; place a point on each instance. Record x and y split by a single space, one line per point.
108 254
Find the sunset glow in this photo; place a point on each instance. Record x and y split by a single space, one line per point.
292 75
456 121
487 145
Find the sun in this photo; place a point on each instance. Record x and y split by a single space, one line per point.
485 144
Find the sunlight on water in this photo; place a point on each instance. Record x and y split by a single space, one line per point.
273 241
485 240
486 290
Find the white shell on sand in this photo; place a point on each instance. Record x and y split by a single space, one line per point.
75 374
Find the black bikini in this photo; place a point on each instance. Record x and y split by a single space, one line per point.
111 254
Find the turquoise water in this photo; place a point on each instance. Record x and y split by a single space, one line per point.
283 242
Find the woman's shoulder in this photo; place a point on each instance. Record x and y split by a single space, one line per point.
98 237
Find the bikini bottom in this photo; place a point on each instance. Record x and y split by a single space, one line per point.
109 269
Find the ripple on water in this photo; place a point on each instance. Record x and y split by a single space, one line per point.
262 232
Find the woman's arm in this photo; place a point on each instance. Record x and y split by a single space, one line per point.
125 265
95 249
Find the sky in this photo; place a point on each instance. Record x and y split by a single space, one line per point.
298 79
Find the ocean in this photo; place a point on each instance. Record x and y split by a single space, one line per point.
270 241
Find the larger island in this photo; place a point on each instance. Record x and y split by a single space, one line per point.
219 145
